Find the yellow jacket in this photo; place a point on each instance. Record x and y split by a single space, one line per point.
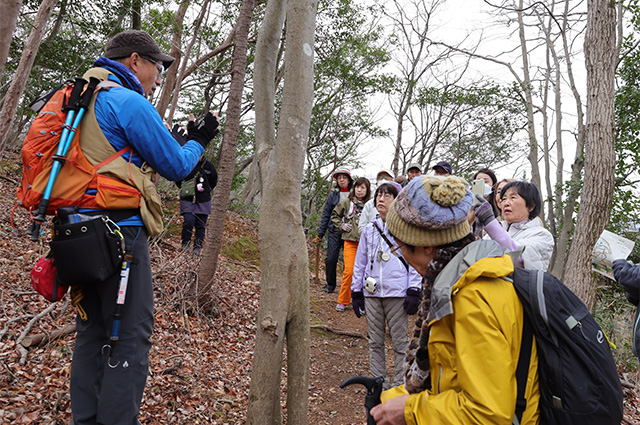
476 330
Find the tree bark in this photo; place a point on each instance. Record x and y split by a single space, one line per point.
9 11
560 254
19 82
264 398
213 244
176 51
597 193
264 77
284 294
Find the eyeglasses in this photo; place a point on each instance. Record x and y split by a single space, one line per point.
385 196
396 251
159 66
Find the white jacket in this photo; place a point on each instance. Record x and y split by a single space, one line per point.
537 242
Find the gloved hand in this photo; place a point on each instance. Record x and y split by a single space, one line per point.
179 133
317 239
205 130
357 301
346 227
628 275
411 301
483 210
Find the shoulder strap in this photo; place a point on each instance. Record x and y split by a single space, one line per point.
524 360
402 260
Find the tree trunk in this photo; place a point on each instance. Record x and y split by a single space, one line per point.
213 245
136 9
560 254
264 77
179 78
9 11
19 82
284 293
526 87
597 193
264 398
176 52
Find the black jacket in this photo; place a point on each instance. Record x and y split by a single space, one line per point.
206 175
325 223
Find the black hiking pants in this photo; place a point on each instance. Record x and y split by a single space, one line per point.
334 245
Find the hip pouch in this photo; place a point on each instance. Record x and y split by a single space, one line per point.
87 252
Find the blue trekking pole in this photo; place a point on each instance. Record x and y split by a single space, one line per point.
78 102
121 297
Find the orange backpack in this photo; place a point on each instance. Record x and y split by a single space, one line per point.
38 151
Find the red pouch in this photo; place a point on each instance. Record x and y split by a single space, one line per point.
44 280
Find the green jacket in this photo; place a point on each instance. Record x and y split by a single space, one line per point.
347 211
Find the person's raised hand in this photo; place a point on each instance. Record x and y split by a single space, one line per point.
205 130
483 211
627 274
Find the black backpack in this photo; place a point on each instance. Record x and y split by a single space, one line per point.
578 377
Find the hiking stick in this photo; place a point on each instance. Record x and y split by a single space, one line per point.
317 252
374 389
78 102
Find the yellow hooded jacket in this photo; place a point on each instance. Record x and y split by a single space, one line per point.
474 344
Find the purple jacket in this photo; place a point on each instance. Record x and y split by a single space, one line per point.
392 277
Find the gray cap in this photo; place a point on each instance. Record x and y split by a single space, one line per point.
414 165
124 44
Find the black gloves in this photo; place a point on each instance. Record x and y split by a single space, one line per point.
628 275
205 130
357 301
483 210
179 133
411 301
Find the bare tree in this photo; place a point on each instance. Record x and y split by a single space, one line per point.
284 293
9 11
19 82
176 52
213 244
597 194
411 23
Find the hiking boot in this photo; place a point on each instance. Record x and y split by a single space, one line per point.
329 290
340 307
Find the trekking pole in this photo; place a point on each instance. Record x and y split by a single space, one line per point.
78 102
122 294
374 389
317 255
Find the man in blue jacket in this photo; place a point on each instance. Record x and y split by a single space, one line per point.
342 175
108 380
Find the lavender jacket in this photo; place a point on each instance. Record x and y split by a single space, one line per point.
392 277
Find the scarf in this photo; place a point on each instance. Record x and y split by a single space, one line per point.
122 72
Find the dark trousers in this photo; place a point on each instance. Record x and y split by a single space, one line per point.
334 245
100 392
199 221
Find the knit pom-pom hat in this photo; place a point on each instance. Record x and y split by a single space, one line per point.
431 211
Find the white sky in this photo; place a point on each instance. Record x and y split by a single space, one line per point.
457 21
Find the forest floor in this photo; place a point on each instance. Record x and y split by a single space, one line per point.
200 365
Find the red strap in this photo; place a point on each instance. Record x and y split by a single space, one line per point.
114 156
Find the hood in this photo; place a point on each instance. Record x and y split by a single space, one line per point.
480 258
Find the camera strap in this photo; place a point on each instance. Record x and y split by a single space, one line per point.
402 260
